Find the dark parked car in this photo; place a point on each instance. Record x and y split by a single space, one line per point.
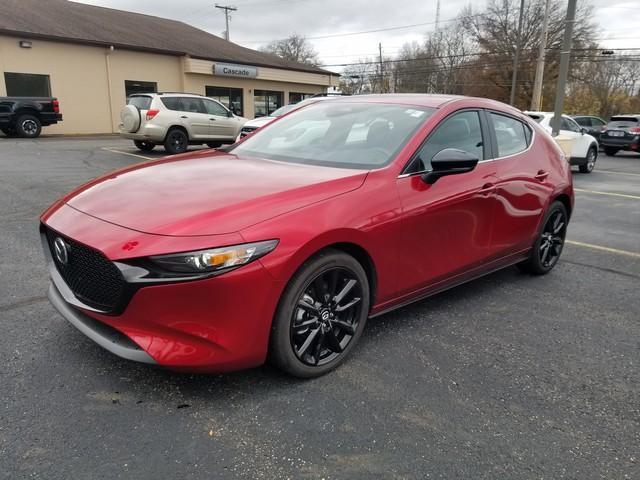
25 116
621 133
592 125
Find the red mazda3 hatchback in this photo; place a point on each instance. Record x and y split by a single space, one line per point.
284 244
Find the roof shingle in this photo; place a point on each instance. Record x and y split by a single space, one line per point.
76 22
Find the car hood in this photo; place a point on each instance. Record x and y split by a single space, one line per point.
207 194
259 122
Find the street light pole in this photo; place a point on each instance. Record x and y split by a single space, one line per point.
565 55
516 57
536 98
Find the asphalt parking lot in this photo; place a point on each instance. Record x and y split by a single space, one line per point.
509 376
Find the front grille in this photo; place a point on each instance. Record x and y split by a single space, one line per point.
92 278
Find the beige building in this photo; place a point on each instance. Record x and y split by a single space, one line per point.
91 58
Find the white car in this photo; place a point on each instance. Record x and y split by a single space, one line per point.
177 120
252 125
584 147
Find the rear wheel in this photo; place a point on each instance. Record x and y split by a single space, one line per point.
548 246
28 126
144 145
176 141
321 315
592 155
610 151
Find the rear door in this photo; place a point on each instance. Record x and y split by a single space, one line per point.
522 188
221 124
194 117
447 225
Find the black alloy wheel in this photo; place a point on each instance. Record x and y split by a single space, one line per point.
548 246
588 167
144 145
176 141
321 315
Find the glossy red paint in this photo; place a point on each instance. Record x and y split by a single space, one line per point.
414 238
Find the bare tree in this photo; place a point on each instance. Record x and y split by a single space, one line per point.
295 48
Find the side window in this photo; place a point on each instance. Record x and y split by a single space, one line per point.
568 124
172 103
193 105
461 131
583 121
214 108
512 135
596 122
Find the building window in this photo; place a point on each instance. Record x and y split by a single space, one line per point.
27 85
265 102
134 86
229 97
295 97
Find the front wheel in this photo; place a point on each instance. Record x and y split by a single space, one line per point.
548 246
176 141
610 151
321 315
144 145
588 167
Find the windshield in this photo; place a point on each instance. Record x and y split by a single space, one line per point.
338 134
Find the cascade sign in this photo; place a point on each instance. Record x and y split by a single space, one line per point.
232 70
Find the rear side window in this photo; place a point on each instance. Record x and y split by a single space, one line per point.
512 135
193 105
172 103
141 102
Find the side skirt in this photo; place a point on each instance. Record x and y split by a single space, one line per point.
455 281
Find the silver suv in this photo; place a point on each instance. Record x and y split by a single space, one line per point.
177 120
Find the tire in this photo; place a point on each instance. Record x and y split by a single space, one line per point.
214 144
28 126
313 330
550 239
131 118
144 145
176 141
610 151
592 156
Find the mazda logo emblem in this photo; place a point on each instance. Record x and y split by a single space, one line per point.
60 250
325 315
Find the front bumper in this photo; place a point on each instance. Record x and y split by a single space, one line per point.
215 324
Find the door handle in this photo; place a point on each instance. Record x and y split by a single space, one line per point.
541 175
184 116
487 188
212 119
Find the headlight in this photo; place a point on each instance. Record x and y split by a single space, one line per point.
214 259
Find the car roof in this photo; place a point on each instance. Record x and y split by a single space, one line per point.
425 100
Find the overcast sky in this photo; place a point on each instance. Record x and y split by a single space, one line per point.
258 21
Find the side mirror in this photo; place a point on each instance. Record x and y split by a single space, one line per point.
450 161
229 113
583 130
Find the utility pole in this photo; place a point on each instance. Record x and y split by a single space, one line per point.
565 54
536 99
226 16
437 16
381 69
516 57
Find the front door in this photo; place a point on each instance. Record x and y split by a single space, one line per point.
446 225
222 126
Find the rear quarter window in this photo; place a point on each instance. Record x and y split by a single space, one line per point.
172 103
512 135
141 102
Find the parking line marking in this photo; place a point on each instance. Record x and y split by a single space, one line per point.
619 173
604 249
597 192
113 150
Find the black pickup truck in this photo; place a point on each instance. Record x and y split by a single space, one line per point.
25 116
